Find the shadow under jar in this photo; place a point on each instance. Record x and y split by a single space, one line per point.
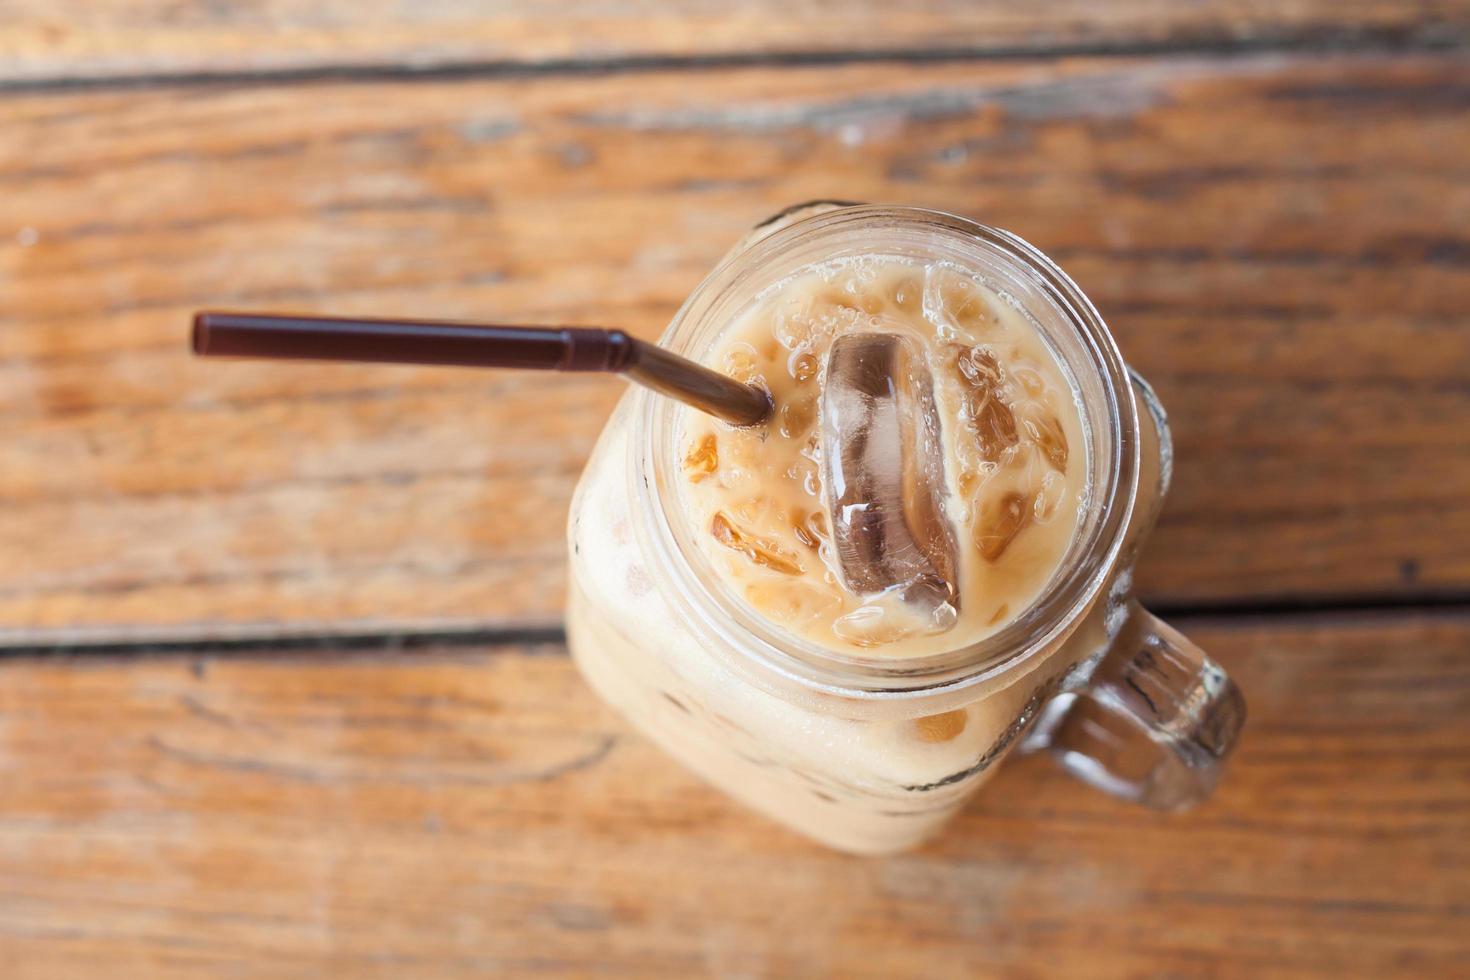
864 753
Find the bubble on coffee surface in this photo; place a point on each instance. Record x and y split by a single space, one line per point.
1009 432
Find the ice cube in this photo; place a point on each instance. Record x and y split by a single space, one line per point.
943 727
1031 381
703 459
888 617
984 386
998 523
1048 499
810 529
885 488
793 603
955 304
760 551
908 294
1045 429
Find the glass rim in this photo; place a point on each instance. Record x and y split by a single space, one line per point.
721 616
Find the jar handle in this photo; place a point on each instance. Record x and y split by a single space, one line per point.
1155 724
1157 718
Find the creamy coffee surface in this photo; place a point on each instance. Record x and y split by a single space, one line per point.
1014 454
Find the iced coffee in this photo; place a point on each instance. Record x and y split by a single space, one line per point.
847 615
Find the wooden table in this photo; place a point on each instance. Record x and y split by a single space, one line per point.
283 685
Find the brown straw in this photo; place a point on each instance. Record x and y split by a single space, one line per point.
481 345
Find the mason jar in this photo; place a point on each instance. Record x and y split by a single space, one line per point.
869 755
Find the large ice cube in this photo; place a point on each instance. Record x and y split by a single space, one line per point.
885 487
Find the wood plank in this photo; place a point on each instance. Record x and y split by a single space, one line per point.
60 39
458 812
1277 242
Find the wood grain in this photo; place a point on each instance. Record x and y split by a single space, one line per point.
463 812
66 39
1277 242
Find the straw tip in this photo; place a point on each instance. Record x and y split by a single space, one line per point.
199 334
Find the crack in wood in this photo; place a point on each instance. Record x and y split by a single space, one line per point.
1317 39
299 773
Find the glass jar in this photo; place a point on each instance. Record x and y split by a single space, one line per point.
872 755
